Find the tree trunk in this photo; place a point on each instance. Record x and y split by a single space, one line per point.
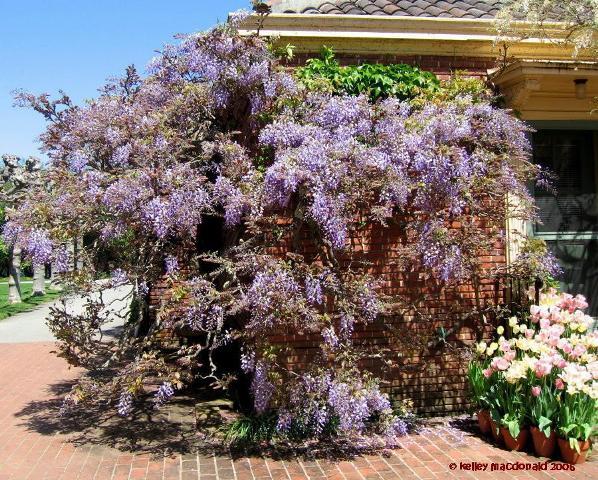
39 286
14 276
77 249
72 254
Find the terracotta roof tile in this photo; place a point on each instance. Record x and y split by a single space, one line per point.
391 9
414 8
327 8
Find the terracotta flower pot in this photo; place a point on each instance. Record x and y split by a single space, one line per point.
494 430
484 421
570 455
544 446
514 443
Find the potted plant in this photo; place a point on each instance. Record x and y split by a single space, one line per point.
509 413
577 422
477 389
544 409
513 433
496 409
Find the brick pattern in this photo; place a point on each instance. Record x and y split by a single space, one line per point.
33 448
443 66
426 371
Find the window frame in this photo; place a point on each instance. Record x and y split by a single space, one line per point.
583 125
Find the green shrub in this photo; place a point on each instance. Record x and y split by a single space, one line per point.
373 79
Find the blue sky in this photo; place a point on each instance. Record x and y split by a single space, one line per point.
74 45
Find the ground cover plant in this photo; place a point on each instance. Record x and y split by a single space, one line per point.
243 189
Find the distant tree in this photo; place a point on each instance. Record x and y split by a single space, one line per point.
4 258
18 176
520 19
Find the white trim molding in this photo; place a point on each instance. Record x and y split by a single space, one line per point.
376 34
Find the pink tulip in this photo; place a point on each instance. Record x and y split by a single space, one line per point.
555 314
559 384
542 368
544 323
500 363
529 333
536 391
564 345
567 302
487 372
580 302
578 351
560 363
510 355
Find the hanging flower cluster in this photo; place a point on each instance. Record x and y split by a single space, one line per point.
222 176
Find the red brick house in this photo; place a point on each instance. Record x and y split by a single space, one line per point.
543 84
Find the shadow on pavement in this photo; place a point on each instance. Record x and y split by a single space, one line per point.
146 431
188 424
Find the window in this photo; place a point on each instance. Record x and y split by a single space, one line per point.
569 218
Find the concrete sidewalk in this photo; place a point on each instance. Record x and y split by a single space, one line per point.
31 326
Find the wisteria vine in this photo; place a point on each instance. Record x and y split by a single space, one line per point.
222 177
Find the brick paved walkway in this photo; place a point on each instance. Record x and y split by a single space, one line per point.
36 444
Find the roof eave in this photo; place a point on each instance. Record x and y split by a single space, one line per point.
411 35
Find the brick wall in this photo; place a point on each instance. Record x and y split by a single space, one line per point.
423 367
442 66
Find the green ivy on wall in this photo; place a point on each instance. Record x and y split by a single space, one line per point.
373 79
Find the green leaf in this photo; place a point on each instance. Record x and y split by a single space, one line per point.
568 428
544 425
376 80
514 428
587 431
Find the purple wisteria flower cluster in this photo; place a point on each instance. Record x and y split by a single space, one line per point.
438 162
163 394
125 404
242 201
320 402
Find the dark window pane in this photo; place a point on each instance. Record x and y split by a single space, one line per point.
579 260
570 155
